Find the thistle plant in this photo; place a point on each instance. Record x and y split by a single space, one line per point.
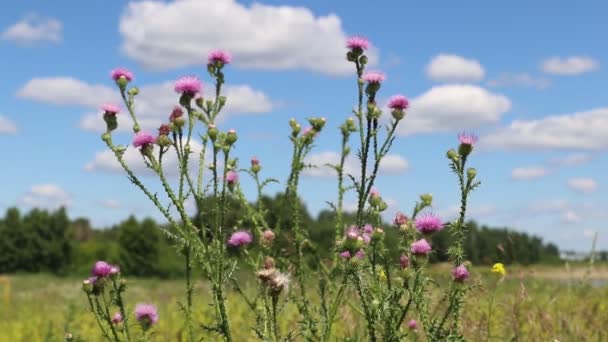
391 295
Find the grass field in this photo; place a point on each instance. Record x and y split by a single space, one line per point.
538 303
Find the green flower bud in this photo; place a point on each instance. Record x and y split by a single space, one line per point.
231 137
363 60
427 199
133 91
136 128
122 82
452 154
212 132
398 114
200 101
163 140
350 56
87 286
222 100
471 173
106 137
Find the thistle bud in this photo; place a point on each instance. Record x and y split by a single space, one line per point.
222 100
350 56
267 237
452 155
133 91
363 60
199 100
212 132
471 173
231 137
255 165
427 199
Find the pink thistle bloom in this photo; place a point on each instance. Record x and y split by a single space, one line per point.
400 219
467 138
428 223
164 129
188 85
110 109
366 238
268 236
404 261
374 192
412 324
345 255
420 247
146 314
357 42
143 139
460 273
360 254
114 270
91 280
232 177
374 77
255 161
219 56
399 102
117 318
352 233
121 72
240 238
101 269
368 229
177 112
309 131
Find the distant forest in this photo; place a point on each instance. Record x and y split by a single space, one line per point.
48 241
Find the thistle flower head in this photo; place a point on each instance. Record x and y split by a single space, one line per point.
255 161
143 139
118 73
404 261
412 324
110 109
177 112
360 254
400 219
146 315
232 177
374 77
399 102
467 138
101 269
219 56
357 42
346 255
267 237
460 273
188 85
428 223
420 247
240 238
117 318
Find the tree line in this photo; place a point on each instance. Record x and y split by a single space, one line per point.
48 241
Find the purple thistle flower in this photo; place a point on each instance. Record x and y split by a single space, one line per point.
219 56
360 254
255 161
91 280
428 223
374 77
366 238
357 42
368 229
399 102
400 219
460 273
404 261
101 269
467 138
114 270
188 85
352 233
345 255
240 238
146 314
420 247
121 72
143 139
373 192
117 318
110 109
412 324
232 177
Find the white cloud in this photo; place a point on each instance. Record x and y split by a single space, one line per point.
453 68
548 206
110 203
34 29
528 173
582 130
49 196
259 36
570 216
475 212
572 159
153 104
390 164
583 185
521 80
105 161
453 108
574 65
7 126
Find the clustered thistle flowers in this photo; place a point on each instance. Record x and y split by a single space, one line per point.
389 290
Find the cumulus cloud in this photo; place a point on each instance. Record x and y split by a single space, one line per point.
453 108
153 105
390 164
529 173
519 80
259 36
110 203
453 68
574 65
7 126
572 159
582 130
570 216
583 185
49 196
34 29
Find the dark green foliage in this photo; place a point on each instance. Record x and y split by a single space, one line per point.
139 247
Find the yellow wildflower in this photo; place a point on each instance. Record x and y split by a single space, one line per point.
382 275
499 268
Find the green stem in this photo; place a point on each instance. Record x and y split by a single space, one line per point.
121 307
95 313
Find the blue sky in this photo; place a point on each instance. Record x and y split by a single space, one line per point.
530 79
